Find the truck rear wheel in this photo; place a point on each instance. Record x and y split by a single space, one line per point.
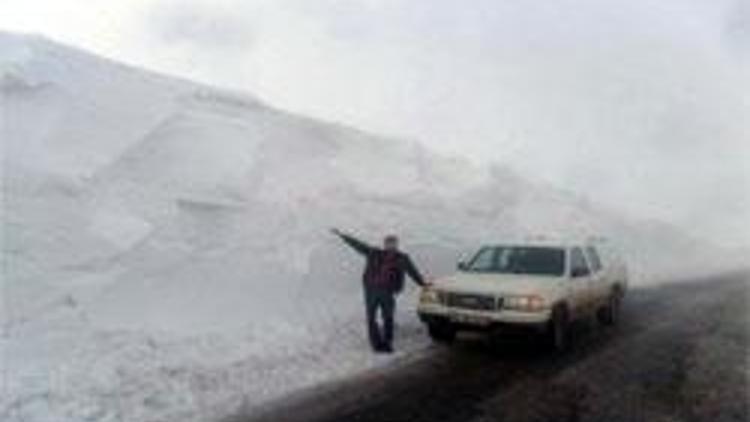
441 332
610 314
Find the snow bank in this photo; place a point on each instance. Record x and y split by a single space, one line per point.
166 249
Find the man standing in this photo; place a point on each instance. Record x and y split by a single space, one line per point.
383 279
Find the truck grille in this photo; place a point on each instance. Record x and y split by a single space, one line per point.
471 301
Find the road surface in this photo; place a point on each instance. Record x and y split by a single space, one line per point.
680 353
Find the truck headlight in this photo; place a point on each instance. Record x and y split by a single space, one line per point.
429 296
526 303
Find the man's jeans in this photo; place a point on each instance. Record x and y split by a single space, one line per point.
383 300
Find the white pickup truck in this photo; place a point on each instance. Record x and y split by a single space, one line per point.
536 286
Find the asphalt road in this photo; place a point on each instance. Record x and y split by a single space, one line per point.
680 353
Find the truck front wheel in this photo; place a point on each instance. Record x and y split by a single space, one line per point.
559 330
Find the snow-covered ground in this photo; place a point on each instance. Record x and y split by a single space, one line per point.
165 245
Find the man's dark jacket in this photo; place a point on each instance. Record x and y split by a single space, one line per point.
376 258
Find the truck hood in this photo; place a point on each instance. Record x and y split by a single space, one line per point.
500 284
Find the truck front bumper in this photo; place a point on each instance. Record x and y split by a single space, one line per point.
504 321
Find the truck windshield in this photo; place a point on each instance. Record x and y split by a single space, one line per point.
530 260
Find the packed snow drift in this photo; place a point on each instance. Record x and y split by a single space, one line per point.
165 245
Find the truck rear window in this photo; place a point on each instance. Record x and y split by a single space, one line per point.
531 260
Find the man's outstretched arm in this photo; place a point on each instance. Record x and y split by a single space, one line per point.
355 243
413 272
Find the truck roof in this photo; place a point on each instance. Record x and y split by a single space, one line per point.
550 241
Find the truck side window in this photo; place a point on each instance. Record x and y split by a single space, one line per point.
578 267
593 255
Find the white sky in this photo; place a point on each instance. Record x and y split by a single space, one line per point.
643 105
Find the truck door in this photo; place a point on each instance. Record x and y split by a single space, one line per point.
580 280
599 277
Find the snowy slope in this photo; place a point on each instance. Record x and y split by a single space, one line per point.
165 245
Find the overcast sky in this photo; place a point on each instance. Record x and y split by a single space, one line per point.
643 105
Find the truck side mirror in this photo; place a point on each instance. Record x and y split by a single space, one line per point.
579 272
462 266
